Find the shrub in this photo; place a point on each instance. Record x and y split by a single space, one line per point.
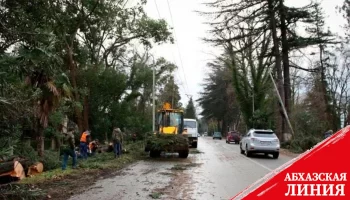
51 160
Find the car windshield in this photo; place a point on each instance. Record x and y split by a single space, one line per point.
264 134
217 133
190 124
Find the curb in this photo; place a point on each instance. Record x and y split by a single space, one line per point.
286 152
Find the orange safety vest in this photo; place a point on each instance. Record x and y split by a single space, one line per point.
83 137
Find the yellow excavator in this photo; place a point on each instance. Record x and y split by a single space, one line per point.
170 135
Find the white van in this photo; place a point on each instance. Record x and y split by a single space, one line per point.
191 126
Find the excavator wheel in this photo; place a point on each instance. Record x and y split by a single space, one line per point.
183 153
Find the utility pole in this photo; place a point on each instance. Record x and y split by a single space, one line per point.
282 104
172 95
153 97
253 107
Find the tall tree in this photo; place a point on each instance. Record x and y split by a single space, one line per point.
251 81
218 98
49 38
170 93
190 111
345 11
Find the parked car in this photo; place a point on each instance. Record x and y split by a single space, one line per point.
233 136
260 141
217 135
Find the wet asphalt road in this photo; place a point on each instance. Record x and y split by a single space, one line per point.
218 172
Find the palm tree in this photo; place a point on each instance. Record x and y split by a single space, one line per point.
53 90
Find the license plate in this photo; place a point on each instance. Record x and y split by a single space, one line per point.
265 143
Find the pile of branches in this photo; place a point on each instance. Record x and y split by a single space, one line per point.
163 142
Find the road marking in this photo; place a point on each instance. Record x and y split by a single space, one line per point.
261 165
243 156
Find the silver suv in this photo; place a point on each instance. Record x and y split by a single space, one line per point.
260 141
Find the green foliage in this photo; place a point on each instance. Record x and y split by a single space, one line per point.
101 69
170 93
51 160
190 111
26 151
19 191
156 195
308 129
218 98
162 142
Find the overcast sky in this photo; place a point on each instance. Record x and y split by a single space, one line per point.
188 31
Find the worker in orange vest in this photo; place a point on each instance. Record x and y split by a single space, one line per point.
84 141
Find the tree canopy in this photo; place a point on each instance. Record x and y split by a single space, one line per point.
190 111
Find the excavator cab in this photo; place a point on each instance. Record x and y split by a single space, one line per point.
169 121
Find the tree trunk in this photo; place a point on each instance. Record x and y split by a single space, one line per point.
13 169
224 128
86 113
285 57
347 121
73 77
35 168
276 52
40 139
53 143
25 164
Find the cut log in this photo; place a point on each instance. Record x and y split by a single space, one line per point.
26 164
12 168
37 168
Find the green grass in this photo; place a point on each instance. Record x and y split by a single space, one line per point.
17 191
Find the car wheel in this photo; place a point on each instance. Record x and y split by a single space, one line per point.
275 155
183 154
247 153
240 147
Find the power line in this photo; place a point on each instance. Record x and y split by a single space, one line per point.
125 4
177 45
155 2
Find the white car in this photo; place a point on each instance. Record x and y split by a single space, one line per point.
260 141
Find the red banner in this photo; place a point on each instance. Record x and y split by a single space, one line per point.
319 173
